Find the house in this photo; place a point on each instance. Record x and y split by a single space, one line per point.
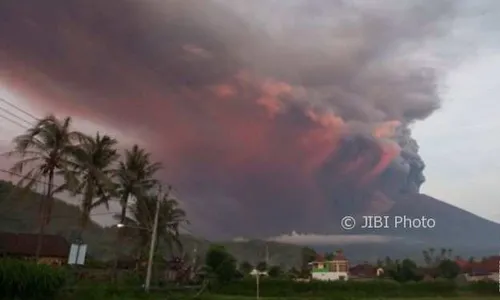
54 250
365 271
329 270
487 269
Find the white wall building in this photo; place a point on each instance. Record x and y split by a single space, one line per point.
329 270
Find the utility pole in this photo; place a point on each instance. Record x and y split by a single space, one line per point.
153 238
267 256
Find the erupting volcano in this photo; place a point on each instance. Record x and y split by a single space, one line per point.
291 118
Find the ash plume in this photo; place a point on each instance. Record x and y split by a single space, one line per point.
270 116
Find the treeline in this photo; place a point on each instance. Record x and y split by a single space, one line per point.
91 168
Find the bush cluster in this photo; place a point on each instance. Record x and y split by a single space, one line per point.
346 289
24 280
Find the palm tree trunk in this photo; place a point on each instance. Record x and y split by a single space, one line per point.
86 208
124 203
44 215
119 234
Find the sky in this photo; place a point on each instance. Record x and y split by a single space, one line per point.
248 104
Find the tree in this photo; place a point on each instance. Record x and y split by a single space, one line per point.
261 266
329 256
93 170
141 221
433 260
246 268
275 271
293 273
45 149
403 271
220 263
135 176
448 269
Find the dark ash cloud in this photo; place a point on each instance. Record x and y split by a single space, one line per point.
258 109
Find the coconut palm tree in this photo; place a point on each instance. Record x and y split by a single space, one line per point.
141 221
93 168
44 152
135 176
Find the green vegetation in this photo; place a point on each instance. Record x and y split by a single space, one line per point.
354 289
28 281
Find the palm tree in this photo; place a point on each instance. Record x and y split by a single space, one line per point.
93 169
135 176
44 149
140 223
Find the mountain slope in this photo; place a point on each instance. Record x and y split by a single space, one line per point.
19 213
466 233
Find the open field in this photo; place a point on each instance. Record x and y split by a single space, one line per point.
217 297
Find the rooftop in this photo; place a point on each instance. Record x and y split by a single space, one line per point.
25 244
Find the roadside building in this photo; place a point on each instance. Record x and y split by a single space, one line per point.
330 270
54 250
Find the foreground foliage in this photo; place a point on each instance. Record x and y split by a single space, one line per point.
22 280
353 289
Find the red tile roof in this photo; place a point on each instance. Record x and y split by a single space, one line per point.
339 255
489 265
320 258
363 270
25 244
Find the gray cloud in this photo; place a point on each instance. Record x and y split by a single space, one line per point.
246 102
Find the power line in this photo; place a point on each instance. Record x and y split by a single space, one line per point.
18 108
13 121
14 115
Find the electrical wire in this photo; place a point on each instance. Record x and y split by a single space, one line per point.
18 109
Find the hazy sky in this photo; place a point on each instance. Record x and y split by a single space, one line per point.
458 142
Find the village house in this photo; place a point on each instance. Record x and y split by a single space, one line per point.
330 270
365 271
54 250
487 269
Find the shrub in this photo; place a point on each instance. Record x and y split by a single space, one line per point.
337 289
28 280
483 287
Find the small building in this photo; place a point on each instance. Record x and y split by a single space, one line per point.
365 271
330 270
485 270
54 250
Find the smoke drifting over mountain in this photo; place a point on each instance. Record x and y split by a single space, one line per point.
270 116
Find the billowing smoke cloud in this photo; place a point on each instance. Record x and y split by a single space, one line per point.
270 116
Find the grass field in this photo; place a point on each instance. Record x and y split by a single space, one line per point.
217 297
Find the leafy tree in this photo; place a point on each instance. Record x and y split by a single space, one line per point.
44 149
93 173
388 261
433 260
308 255
448 269
403 271
220 263
261 266
275 271
293 273
141 221
246 268
135 176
